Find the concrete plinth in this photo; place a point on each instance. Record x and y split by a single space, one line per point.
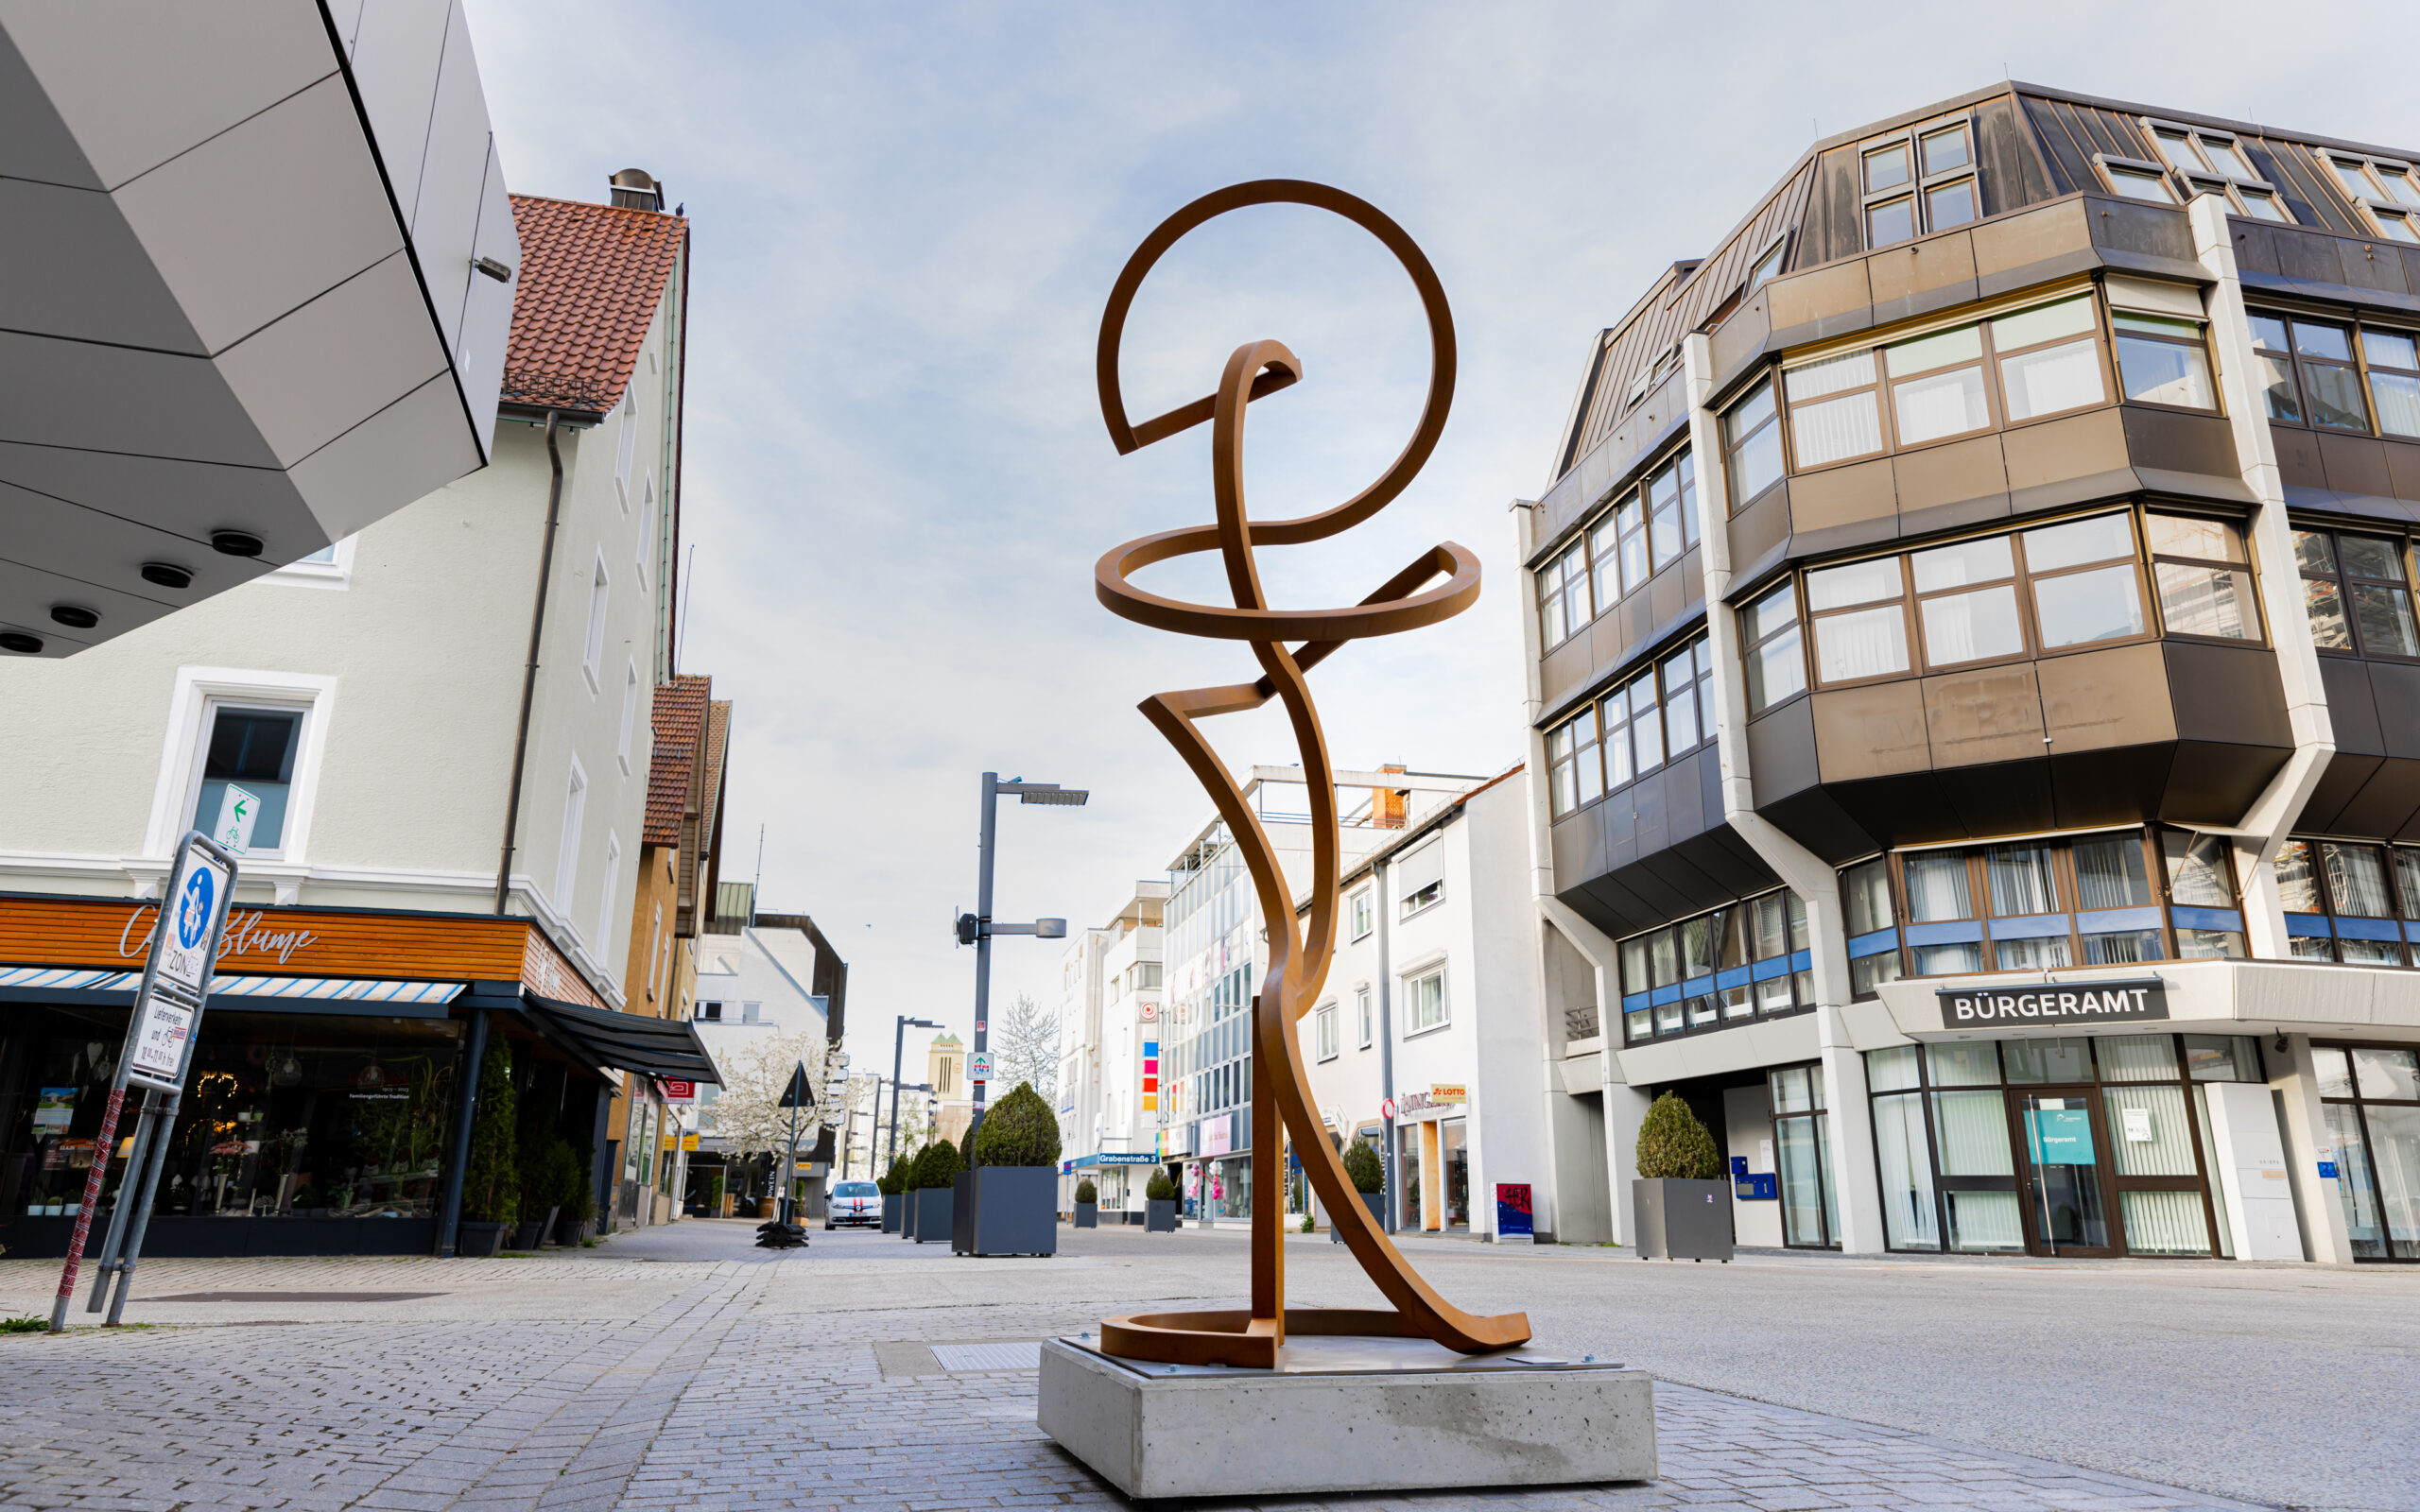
1348 1414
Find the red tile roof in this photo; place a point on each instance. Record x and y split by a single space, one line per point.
590 276
678 721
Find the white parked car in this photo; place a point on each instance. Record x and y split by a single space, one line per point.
853 1202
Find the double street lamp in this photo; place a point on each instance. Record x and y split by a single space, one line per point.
977 928
898 1040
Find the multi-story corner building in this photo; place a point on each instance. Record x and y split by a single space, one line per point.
1213 952
1976 681
1109 1038
1432 1005
445 718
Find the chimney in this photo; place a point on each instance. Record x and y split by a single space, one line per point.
634 189
1387 804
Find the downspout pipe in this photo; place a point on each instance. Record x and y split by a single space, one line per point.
1387 1048
529 672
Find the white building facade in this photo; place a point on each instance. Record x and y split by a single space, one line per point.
1432 1005
1108 1037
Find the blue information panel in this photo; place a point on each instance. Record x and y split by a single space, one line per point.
1514 1217
2061 1136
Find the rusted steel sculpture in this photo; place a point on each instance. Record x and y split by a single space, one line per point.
1298 963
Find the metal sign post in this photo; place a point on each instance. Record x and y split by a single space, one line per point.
160 1037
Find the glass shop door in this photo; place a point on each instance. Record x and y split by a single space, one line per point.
2066 1192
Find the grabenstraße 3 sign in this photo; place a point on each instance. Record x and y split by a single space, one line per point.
2052 1002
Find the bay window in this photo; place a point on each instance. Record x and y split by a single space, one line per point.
1769 645
1740 962
2163 360
2356 595
2395 380
1752 446
2203 584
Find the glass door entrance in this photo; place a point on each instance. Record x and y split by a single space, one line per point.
2066 1201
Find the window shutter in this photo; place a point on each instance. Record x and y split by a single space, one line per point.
1424 867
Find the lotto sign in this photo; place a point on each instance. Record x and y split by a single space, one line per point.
189 934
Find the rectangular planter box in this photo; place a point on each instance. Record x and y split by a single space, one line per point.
1007 1209
1087 1215
478 1240
571 1232
1376 1202
533 1234
932 1216
1681 1220
890 1208
1159 1217
908 1215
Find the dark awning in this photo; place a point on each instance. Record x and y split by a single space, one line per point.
625 1041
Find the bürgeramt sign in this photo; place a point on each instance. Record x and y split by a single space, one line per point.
2052 1002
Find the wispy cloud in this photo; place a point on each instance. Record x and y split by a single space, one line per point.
906 217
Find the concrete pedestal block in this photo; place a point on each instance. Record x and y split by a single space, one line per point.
1348 1414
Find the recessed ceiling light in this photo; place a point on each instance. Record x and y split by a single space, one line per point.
19 642
75 616
166 574
235 543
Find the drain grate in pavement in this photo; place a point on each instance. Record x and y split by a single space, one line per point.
959 1358
294 1296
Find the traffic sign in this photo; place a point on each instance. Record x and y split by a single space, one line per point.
190 920
1387 1110
238 812
162 1029
978 1067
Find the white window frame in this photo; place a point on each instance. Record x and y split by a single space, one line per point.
605 904
626 446
629 714
567 849
1368 1017
751 1011
647 530
1324 1034
199 692
1364 913
336 573
600 598
1433 970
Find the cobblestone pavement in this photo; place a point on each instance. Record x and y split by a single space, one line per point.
677 1369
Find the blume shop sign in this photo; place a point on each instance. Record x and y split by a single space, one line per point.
2078 1002
244 934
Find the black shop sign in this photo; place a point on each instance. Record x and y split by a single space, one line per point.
2060 1004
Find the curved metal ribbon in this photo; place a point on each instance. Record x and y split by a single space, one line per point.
1299 961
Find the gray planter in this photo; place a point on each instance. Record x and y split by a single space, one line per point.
1376 1203
1159 1216
1006 1210
1681 1219
478 1240
908 1215
571 1233
933 1216
530 1235
1087 1214
892 1204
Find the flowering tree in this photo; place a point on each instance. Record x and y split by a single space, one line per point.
1025 1048
755 1073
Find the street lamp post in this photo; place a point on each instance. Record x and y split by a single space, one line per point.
898 1040
976 928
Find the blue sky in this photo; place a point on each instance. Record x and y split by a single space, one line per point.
906 218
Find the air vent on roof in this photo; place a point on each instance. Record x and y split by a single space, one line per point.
635 189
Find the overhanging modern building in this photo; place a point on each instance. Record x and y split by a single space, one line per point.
255 280
1974 671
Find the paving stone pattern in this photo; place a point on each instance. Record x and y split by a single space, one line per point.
614 1380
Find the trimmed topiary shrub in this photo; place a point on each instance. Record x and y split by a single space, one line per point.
937 1165
1086 1192
893 1182
1672 1144
1362 1167
491 1181
1159 1189
1021 1131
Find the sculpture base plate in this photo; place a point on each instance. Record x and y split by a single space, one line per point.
1348 1414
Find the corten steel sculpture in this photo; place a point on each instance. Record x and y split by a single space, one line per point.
1298 963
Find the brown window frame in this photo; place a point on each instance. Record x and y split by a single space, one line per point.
2400 903
2293 365
2344 582
2114 168
2020 580
1795 629
2207 172
1919 186
2200 342
1590 538
2245 567
2383 207
2101 333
